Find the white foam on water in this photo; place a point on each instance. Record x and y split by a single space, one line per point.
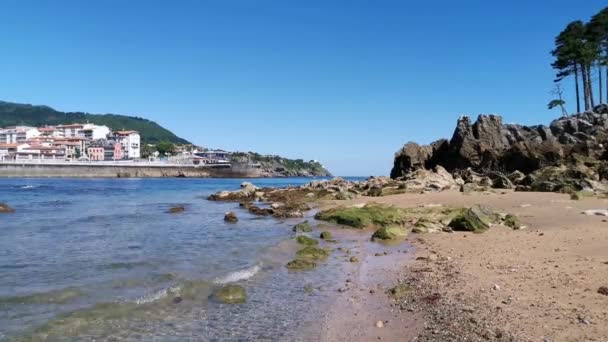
238 275
28 187
152 297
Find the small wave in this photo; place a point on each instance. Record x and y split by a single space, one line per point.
29 186
158 295
238 275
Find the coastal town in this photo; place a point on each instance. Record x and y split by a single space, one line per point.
93 143
68 142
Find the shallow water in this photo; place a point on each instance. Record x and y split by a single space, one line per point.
101 259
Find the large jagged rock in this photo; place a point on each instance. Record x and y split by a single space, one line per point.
487 146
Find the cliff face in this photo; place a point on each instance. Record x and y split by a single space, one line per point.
276 166
489 144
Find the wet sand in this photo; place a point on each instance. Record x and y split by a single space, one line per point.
538 284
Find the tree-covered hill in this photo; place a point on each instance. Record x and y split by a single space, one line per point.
12 114
277 166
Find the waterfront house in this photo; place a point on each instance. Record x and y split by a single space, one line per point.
104 149
130 141
96 153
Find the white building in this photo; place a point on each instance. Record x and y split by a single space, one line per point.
95 132
130 142
70 131
18 134
89 131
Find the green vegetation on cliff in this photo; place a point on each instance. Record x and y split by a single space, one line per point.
12 114
283 166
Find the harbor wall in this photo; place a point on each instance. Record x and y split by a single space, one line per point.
34 170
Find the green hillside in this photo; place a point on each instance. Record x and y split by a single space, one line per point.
12 114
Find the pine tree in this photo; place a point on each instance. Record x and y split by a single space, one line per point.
598 33
568 53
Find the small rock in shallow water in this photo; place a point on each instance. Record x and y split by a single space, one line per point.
177 210
177 300
4 208
231 294
354 259
231 217
603 290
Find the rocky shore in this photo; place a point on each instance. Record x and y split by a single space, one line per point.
491 262
567 156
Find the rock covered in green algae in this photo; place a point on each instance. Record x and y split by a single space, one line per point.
301 265
475 219
361 217
390 233
325 235
4 208
230 294
303 227
425 225
312 253
512 221
305 240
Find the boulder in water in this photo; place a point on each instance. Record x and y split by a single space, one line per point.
230 294
4 208
177 209
231 217
303 227
301 265
305 240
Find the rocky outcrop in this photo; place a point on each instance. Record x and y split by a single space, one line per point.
494 149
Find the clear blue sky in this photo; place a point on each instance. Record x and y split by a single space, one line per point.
345 82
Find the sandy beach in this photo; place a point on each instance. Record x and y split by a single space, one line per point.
535 284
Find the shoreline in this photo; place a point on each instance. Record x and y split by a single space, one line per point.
538 283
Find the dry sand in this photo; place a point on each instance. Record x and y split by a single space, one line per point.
536 284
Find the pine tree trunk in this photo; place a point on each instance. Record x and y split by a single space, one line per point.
578 96
599 68
585 86
590 83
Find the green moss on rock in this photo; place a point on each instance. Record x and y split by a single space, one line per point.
368 215
312 253
301 265
230 294
305 240
512 221
390 233
475 219
325 235
303 227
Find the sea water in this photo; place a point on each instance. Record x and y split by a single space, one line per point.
102 259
